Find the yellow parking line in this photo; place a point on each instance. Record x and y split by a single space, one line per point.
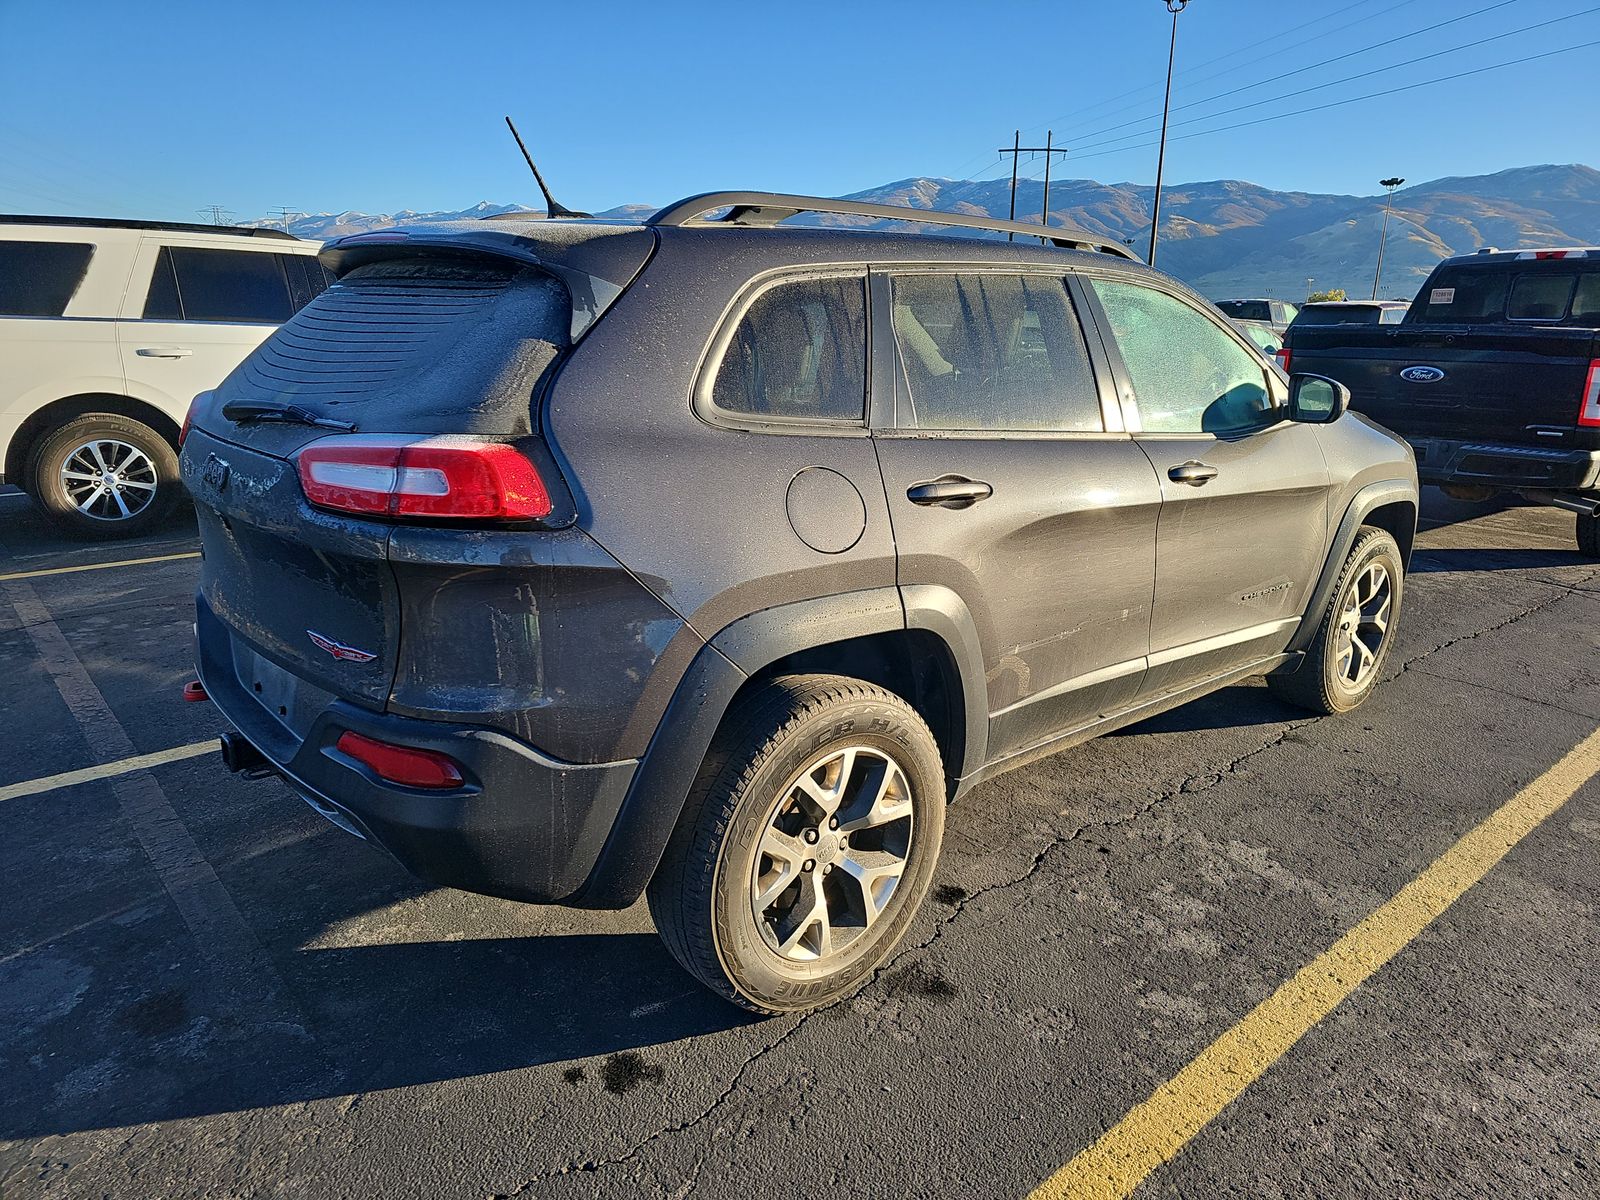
138 762
1154 1131
127 562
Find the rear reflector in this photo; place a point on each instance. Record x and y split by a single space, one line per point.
1589 414
458 478
402 764
1284 356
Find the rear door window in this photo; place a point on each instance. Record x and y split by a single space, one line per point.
1540 297
980 351
234 286
39 279
799 353
1188 374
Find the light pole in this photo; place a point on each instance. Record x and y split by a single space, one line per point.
1174 7
1383 238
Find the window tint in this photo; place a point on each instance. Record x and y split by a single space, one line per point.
799 352
1586 301
1188 375
1462 296
38 279
306 276
219 285
993 352
1540 297
1246 310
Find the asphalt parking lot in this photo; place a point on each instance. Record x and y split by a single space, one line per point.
206 990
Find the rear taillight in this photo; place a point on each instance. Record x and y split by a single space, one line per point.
404 765
188 420
1284 357
445 477
1589 412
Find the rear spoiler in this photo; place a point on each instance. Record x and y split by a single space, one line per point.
595 263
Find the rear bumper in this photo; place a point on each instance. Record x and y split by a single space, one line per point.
1485 464
524 826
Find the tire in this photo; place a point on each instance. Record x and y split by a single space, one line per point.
1589 535
1326 682
749 801
139 458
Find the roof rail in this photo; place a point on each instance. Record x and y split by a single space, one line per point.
769 208
173 226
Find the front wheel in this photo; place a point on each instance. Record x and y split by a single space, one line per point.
807 844
104 476
1343 661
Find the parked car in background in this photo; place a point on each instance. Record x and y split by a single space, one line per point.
1274 313
569 560
1264 337
1493 376
107 331
1353 312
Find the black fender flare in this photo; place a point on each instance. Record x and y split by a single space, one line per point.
1362 504
666 772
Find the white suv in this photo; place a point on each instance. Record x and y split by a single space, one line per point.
107 330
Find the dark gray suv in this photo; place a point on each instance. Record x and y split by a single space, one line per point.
711 556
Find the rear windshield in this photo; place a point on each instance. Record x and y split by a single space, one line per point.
38 279
1537 292
1246 310
1358 315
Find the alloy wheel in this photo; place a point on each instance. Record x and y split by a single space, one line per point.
109 480
1364 624
833 853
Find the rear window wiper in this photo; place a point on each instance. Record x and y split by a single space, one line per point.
247 411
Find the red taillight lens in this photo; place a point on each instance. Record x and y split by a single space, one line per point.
457 478
1284 357
402 764
188 421
1589 412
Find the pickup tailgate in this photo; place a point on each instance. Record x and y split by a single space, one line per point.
1494 383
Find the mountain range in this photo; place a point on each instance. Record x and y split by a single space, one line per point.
1227 237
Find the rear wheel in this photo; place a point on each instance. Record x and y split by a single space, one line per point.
104 476
1343 661
1589 535
806 846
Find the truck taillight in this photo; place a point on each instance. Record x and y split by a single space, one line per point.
1589 413
443 477
1284 357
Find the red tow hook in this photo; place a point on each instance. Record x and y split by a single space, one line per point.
194 692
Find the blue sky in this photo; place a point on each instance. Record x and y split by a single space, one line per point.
157 108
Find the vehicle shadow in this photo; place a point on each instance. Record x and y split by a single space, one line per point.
1243 704
1427 561
376 1017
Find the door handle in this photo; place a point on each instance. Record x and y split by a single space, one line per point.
1195 474
949 491
163 352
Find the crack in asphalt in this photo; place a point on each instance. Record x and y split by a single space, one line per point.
1192 784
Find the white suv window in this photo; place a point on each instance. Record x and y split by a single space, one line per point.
39 279
242 287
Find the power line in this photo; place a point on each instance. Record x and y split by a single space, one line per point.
216 214
1280 76
1352 78
1515 62
1080 113
1189 71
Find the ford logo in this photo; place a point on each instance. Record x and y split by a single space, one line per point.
1422 374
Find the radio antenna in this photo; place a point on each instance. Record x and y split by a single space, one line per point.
553 207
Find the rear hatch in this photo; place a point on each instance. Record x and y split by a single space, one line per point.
420 335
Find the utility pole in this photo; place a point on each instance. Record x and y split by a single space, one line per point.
1174 7
1016 150
216 214
1383 237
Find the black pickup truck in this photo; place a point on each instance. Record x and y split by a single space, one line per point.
1493 377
